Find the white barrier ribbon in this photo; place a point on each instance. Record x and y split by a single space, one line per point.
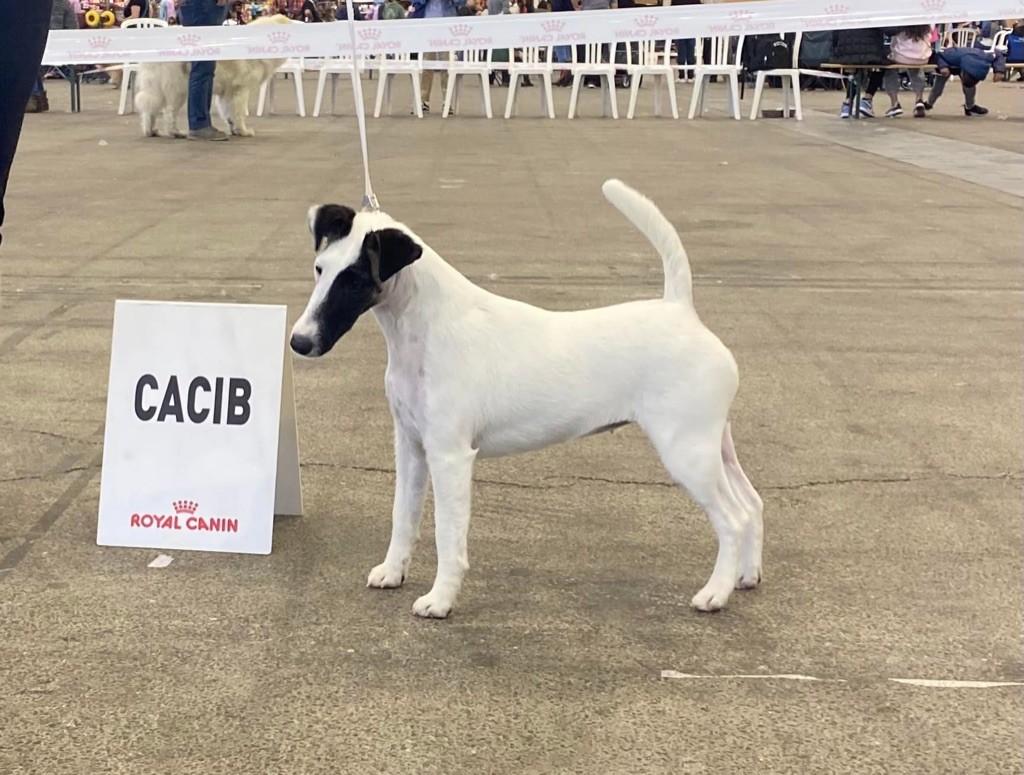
509 31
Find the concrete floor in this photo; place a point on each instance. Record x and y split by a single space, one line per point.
874 307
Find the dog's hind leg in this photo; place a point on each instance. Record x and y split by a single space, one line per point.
233 110
451 474
693 457
410 492
750 557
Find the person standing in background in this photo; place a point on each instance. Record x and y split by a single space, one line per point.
202 13
432 9
563 54
22 42
686 48
62 17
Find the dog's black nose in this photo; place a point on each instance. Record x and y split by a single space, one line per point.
303 345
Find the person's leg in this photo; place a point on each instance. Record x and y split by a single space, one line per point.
891 83
970 87
22 41
200 13
427 76
937 88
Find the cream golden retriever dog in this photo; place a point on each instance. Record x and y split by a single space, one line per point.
162 89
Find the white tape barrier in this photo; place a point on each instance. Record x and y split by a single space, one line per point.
509 31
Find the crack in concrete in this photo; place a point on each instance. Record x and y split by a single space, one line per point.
37 477
49 434
569 481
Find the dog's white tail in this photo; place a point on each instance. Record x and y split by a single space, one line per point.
646 216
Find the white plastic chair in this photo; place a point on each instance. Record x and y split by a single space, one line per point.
721 64
531 63
293 67
653 60
130 69
790 77
999 42
594 65
400 64
474 64
334 67
957 37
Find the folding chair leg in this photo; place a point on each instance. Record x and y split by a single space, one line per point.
634 92
382 86
485 93
510 103
261 103
696 99
321 85
734 95
670 83
449 93
577 79
126 77
417 95
548 101
609 95
300 97
758 90
796 97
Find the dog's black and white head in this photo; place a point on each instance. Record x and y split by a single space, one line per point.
357 253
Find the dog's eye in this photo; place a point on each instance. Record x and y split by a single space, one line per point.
318 270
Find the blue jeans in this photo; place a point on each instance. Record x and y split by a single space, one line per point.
686 53
200 13
562 54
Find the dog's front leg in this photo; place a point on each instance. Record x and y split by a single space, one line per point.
410 492
451 474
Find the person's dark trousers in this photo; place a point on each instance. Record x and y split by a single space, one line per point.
200 13
26 23
686 54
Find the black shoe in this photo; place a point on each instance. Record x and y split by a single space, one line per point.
527 81
927 105
920 111
975 110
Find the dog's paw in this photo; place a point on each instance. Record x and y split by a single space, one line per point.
712 598
150 133
385 576
432 606
247 132
749 578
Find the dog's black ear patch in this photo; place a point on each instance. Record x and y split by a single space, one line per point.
390 251
331 223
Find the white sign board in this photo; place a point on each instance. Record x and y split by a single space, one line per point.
200 448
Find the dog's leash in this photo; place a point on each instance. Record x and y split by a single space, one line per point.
369 198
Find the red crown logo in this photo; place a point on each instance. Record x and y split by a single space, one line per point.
189 39
459 29
279 37
99 42
185 507
553 26
933 5
837 10
741 16
370 34
648 20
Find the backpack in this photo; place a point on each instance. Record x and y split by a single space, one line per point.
815 49
767 52
905 50
1015 48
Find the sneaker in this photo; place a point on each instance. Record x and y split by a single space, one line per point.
927 105
920 111
975 110
867 109
894 111
423 107
844 111
207 133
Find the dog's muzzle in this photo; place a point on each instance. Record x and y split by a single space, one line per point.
303 345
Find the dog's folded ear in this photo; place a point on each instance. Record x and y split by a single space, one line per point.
329 222
389 250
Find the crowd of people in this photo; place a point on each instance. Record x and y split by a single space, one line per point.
902 54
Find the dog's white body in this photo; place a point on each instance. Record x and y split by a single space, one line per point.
162 90
474 374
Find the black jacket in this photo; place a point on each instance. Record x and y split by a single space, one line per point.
859 47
